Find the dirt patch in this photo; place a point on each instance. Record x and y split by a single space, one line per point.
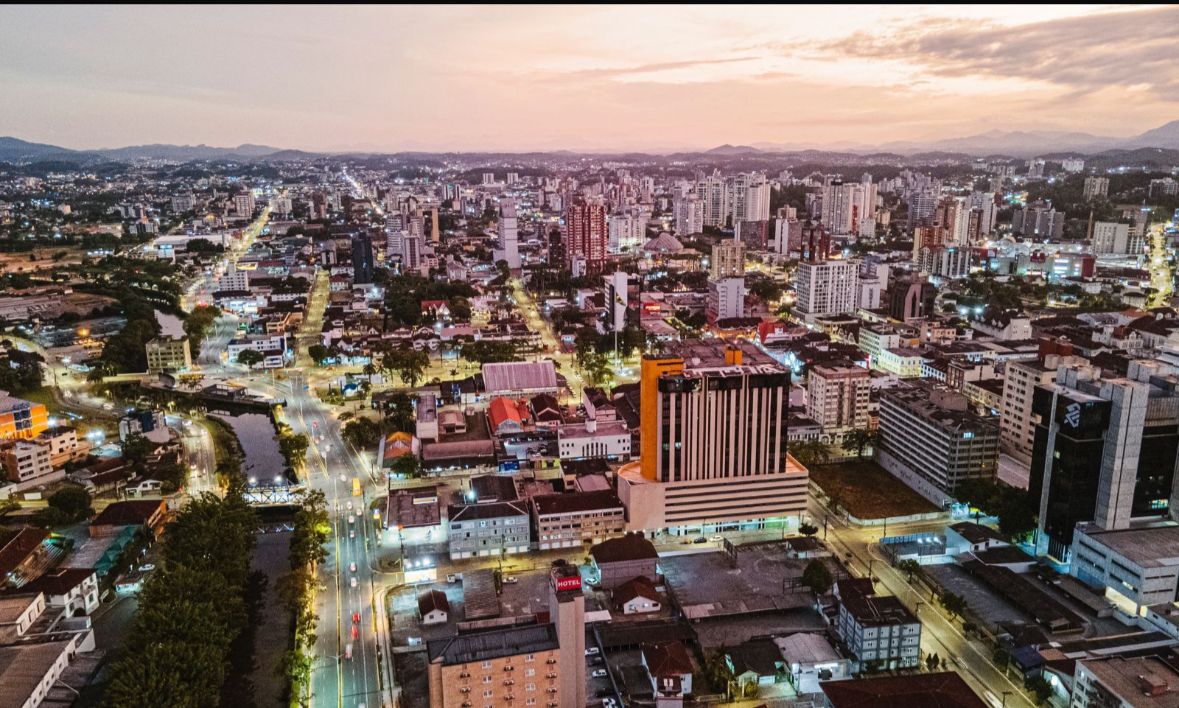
867 491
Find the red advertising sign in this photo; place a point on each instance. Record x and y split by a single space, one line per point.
572 582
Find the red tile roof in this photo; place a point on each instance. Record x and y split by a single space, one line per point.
129 513
667 659
17 544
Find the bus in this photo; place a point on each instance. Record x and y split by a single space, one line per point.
355 486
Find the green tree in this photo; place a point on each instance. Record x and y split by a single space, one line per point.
858 440
197 324
407 465
954 604
597 369
249 358
190 611
910 568
408 363
811 453
485 352
136 448
808 529
318 353
817 577
293 447
399 413
362 433
1039 688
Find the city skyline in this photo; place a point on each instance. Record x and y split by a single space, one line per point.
580 78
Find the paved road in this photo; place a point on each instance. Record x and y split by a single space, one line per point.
336 681
1159 265
939 634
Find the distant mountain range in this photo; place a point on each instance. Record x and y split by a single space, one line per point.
16 150
1017 143
992 143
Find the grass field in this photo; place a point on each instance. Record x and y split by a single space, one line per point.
867 491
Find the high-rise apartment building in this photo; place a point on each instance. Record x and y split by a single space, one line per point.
1112 238
689 215
243 204
625 232
950 262
827 287
728 259
848 205
1163 187
726 299
412 257
1095 187
837 396
616 299
750 200
986 214
713 424
787 235
715 195
1017 425
585 227
362 259
1038 220
921 206
508 242
183 202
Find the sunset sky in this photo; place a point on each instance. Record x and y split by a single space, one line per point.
551 77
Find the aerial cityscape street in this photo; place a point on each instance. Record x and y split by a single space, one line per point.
567 356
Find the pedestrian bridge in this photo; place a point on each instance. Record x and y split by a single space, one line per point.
275 495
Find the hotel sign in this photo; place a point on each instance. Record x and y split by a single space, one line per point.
572 582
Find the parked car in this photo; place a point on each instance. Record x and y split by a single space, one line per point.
591 651
511 580
146 567
609 703
453 577
716 539
351 518
701 540
353 583
351 534
598 673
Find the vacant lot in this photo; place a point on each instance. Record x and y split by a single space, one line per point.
867 491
